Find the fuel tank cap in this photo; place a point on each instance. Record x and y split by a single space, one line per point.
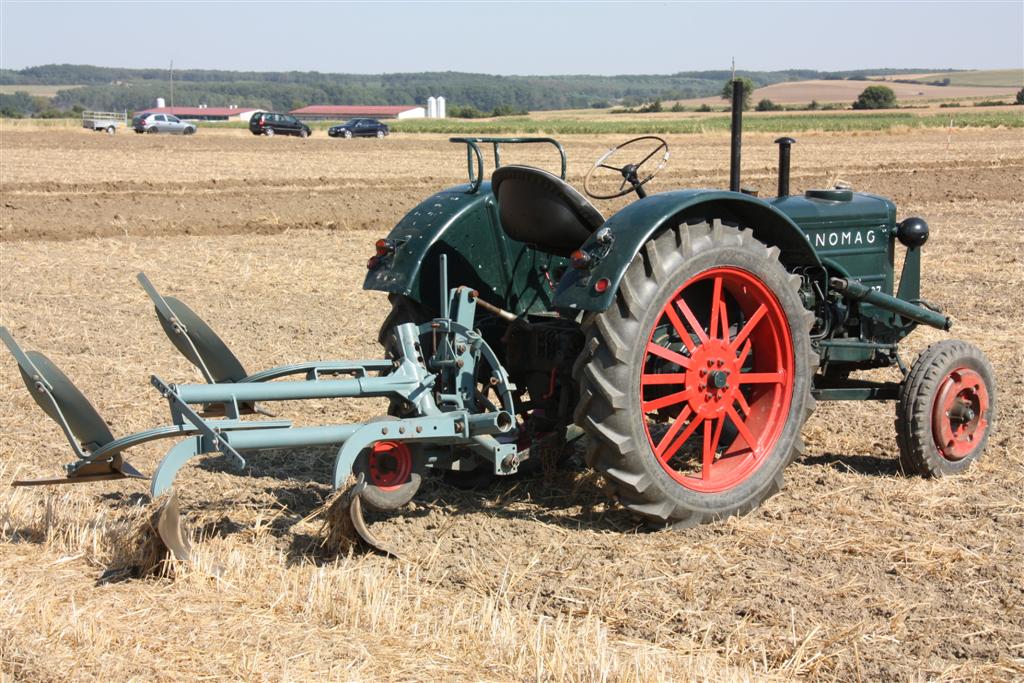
836 195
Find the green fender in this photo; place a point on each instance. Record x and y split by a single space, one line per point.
634 225
465 226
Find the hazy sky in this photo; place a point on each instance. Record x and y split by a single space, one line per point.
513 38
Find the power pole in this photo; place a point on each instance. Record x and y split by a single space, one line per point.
172 84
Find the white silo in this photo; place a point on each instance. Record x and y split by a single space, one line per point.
431 107
160 102
440 106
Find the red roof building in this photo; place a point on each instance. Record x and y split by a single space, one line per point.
319 112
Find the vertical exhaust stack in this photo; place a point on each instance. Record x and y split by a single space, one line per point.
737 135
784 145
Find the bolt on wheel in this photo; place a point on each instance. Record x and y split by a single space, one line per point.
946 409
696 381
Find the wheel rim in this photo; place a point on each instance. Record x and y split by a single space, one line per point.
958 414
389 465
719 360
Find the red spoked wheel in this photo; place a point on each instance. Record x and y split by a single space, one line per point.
389 465
695 382
946 409
728 375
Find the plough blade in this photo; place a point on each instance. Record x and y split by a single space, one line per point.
171 530
355 511
346 525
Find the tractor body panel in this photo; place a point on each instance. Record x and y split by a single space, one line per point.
852 238
463 224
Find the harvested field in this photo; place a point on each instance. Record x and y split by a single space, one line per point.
802 92
853 572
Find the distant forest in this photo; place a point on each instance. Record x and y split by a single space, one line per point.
109 88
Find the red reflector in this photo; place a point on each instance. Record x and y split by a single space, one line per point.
601 286
580 259
373 263
383 248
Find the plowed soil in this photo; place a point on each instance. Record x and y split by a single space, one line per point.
854 571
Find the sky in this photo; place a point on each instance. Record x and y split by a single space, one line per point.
583 37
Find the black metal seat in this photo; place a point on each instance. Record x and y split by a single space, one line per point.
542 209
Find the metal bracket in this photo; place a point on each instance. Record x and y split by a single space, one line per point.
181 408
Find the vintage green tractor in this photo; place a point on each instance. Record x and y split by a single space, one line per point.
687 336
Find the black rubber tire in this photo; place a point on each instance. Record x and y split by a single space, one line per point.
380 134
269 132
348 135
376 497
914 436
303 133
189 131
403 310
610 366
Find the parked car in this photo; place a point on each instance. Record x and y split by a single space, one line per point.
358 128
148 122
270 123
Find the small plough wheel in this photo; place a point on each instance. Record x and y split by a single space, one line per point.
946 409
388 469
696 382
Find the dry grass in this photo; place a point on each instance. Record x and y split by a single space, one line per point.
853 572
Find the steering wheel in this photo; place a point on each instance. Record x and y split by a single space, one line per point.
630 172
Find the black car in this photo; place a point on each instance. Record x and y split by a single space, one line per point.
359 128
270 123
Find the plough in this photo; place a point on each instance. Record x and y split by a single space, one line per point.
434 376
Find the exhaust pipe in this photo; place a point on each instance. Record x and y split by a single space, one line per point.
737 135
784 145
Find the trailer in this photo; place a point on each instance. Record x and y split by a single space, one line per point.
108 121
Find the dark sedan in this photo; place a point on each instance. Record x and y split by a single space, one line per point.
270 123
359 128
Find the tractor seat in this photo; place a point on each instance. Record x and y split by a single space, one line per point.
540 208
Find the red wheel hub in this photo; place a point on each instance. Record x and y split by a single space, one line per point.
958 415
719 358
389 465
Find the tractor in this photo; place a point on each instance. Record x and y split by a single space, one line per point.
687 338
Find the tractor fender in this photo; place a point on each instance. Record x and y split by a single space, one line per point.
639 222
432 225
464 225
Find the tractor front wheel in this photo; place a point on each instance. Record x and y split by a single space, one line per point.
695 383
946 409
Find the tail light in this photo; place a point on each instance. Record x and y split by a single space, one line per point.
384 247
580 259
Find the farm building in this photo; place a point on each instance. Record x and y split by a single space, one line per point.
321 112
204 113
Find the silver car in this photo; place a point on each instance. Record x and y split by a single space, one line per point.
162 123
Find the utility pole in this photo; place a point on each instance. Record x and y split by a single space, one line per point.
172 84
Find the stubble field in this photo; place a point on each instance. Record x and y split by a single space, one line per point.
853 572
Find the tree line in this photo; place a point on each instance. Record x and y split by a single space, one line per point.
110 88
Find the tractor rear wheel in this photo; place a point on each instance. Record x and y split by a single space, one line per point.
696 382
946 409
